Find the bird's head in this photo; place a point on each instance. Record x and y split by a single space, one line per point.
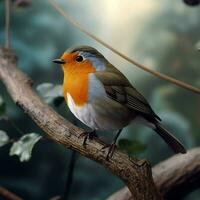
82 59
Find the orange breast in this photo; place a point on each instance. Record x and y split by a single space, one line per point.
76 81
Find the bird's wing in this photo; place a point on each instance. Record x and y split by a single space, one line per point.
119 89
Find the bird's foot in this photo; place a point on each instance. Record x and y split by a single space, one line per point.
111 149
88 135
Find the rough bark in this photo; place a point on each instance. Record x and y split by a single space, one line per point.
135 173
174 177
178 175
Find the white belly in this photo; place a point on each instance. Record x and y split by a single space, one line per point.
85 113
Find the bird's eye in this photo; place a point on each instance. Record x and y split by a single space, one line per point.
79 58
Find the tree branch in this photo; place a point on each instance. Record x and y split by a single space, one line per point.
135 173
8 194
174 177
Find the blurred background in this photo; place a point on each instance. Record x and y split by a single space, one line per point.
163 35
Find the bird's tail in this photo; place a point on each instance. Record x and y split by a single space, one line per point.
173 142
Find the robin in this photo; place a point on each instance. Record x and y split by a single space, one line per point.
100 96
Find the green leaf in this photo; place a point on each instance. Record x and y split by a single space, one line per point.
23 147
131 146
51 93
2 106
4 139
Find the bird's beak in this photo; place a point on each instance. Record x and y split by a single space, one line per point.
59 61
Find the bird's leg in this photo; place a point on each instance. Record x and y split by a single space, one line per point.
112 146
88 135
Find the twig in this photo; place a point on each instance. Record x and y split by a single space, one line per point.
143 67
8 194
70 175
7 24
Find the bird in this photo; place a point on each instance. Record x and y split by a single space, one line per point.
101 97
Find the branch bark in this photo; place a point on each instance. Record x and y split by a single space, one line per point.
135 173
174 177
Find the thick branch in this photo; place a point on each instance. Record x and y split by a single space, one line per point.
135 174
178 175
174 177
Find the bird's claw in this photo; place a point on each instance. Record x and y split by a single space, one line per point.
111 149
88 135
